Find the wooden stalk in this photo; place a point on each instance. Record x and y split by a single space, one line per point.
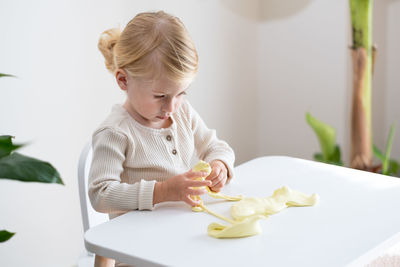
361 149
361 130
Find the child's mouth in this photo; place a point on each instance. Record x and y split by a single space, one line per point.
162 117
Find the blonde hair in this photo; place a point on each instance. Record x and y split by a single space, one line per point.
152 44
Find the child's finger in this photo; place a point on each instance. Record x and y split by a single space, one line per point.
214 179
214 173
196 192
218 187
198 183
192 174
219 182
215 190
191 202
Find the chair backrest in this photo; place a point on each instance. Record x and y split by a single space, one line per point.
90 217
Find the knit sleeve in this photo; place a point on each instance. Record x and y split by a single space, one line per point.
207 144
106 192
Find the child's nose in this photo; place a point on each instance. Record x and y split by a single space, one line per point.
169 105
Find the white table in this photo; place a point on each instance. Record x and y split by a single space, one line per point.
356 219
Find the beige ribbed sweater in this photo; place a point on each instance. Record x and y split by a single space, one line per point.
129 158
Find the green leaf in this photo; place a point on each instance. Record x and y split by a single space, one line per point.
23 168
335 157
318 157
5 235
377 153
326 136
385 164
6 75
6 145
394 167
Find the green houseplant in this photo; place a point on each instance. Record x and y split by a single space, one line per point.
362 147
330 150
16 166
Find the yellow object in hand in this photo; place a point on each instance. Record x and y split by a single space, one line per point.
247 227
203 166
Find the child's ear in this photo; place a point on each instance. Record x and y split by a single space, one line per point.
122 79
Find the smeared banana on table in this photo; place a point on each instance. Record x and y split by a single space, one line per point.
247 212
282 198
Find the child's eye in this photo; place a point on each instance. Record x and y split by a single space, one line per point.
183 93
159 96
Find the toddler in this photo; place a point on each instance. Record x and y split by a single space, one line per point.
143 151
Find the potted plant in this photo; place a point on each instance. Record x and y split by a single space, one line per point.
16 166
362 147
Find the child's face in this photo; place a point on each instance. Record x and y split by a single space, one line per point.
152 102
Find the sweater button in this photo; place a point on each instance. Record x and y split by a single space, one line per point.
174 151
169 138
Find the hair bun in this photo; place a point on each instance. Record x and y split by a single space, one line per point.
108 39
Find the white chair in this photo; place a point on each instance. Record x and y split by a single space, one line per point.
90 217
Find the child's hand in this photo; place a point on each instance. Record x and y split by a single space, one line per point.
218 176
180 188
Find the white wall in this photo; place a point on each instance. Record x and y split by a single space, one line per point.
303 64
379 82
263 64
386 82
392 110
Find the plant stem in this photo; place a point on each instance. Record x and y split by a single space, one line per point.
361 22
361 130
